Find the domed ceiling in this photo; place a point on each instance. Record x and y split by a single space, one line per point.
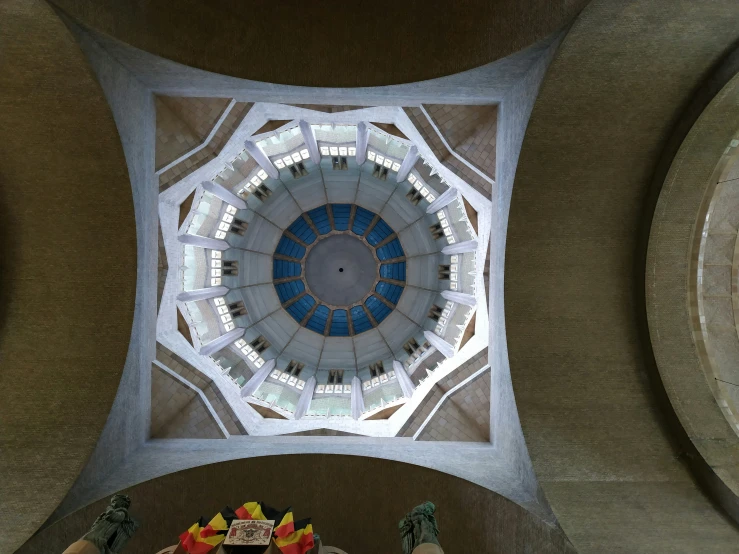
335 279
326 256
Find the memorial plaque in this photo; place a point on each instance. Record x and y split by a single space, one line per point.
249 532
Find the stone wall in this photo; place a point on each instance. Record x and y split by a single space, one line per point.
182 124
216 399
432 139
464 416
210 151
470 131
440 389
177 411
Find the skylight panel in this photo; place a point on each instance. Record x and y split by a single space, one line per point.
220 234
411 178
288 160
396 166
342 150
388 163
352 151
379 159
334 151
279 164
304 154
324 150
371 156
296 156
262 174
230 209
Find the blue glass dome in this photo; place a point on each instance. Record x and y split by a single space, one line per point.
384 286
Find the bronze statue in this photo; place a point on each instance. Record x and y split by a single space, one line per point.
114 527
419 527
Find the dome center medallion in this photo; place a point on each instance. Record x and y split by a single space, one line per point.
340 270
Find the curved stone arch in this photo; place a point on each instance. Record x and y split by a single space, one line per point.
492 31
713 277
591 404
690 290
68 282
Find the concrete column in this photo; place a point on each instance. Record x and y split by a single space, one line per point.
357 398
406 385
221 342
444 200
224 194
263 161
460 247
203 242
305 397
310 141
459 297
362 141
257 379
446 349
408 162
202 294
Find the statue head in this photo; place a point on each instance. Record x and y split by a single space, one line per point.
120 501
